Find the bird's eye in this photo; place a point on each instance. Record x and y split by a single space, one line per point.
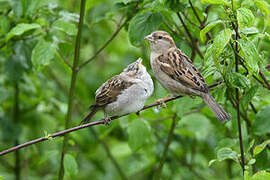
159 37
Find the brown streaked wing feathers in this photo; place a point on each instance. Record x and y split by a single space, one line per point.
178 66
110 90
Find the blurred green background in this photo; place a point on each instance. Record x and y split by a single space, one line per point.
37 37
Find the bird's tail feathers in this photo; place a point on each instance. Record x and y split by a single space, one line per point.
220 113
88 117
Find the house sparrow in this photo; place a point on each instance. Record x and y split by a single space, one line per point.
176 73
124 93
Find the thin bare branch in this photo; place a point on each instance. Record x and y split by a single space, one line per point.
193 41
104 46
195 12
64 59
264 79
61 133
237 36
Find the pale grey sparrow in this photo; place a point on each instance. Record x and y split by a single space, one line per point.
176 73
124 93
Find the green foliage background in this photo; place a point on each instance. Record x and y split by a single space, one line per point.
37 40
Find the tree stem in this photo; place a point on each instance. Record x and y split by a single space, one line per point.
16 115
166 148
238 102
72 88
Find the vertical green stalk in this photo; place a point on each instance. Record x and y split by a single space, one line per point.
166 149
17 168
72 88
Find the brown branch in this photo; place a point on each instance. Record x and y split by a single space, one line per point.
195 12
264 79
104 46
237 36
193 41
185 27
166 148
253 107
61 133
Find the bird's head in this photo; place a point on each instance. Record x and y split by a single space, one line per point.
135 69
160 41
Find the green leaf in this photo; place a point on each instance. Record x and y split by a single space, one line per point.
175 5
251 55
29 6
20 29
261 175
220 42
218 2
238 80
263 6
139 134
252 161
184 105
247 97
208 28
4 24
261 125
211 162
226 153
66 27
4 4
246 175
245 18
70 165
190 123
259 148
251 144
143 24
42 54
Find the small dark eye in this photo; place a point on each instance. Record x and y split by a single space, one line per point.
159 37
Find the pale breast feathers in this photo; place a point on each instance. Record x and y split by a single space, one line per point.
178 66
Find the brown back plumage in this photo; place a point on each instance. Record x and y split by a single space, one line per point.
178 66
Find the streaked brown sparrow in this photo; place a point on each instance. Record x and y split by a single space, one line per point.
176 73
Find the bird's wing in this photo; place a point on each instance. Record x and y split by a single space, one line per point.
179 67
109 91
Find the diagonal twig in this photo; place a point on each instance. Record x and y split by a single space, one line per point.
104 46
61 133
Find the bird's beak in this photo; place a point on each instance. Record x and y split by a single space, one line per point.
149 38
140 63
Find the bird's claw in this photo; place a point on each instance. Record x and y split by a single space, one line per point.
107 121
162 103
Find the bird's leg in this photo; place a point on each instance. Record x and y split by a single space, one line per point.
107 119
162 101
